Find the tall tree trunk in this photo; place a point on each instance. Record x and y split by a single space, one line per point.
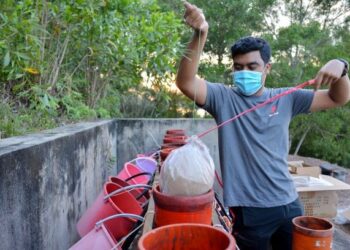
301 140
220 58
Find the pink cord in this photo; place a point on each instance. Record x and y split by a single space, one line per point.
289 91
300 86
218 178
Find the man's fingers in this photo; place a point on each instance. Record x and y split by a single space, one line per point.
318 81
189 12
198 21
193 16
323 78
188 6
326 80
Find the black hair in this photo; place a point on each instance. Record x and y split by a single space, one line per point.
247 44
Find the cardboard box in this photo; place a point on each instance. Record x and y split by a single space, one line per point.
313 171
346 214
322 201
300 168
295 164
319 203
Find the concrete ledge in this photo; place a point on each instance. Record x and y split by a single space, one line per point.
145 135
49 179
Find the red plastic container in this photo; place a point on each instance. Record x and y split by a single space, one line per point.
108 203
165 152
138 193
171 145
131 170
175 139
175 132
100 238
187 236
312 233
182 209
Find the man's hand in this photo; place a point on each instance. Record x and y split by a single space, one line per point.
195 18
329 73
338 93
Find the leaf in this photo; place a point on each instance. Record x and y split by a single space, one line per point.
18 76
45 100
31 70
7 59
22 55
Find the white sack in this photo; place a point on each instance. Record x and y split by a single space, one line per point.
188 170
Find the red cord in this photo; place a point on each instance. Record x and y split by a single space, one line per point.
289 91
300 86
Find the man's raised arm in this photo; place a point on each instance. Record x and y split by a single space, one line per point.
186 79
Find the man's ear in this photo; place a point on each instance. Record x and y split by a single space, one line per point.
268 68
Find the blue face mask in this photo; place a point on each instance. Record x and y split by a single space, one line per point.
248 82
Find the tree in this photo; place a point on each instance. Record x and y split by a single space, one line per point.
318 32
67 61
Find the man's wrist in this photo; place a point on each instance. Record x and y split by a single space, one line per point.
199 32
346 66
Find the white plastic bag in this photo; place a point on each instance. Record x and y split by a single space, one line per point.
188 170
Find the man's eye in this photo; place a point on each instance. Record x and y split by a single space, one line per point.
252 68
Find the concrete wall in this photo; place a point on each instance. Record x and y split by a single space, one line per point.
48 180
145 135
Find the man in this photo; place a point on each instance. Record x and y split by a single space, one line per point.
253 149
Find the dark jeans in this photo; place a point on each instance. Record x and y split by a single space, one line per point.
259 228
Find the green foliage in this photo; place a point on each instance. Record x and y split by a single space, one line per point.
66 61
328 135
230 20
318 32
216 72
300 50
77 60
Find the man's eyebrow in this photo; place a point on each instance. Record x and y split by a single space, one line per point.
248 64
253 63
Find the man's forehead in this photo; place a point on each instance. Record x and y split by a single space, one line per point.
250 57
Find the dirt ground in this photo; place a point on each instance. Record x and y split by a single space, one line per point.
342 231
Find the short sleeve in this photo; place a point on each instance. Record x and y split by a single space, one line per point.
215 97
302 100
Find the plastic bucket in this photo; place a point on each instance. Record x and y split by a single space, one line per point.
182 209
100 238
166 149
175 132
146 164
171 145
312 233
165 152
130 171
187 236
138 193
175 139
113 200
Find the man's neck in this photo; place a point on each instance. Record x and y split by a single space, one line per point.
260 92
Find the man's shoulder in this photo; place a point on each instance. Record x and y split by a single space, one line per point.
220 88
218 84
278 89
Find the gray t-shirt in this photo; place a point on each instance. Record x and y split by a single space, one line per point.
254 148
